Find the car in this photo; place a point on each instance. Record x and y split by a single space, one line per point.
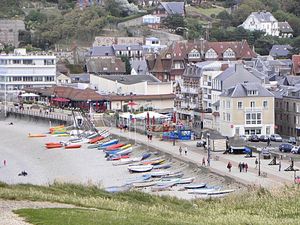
265 153
276 138
295 150
286 147
201 143
263 138
254 138
292 140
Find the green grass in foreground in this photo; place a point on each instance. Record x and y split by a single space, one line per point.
257 206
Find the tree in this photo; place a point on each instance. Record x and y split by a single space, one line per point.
225 18
128 68
296 45
264 44
174 21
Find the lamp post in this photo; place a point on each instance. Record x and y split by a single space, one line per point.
259 164
208 149
5 98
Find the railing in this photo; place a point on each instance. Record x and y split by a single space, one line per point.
42 114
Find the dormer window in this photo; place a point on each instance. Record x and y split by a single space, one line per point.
252 92
168 56
229 53
194 54
211 54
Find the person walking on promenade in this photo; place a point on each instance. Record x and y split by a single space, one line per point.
243 166
229 165
246 167
185 150
180 150
150 136
4 162
203 161
279 166
256 163
240 167
268 142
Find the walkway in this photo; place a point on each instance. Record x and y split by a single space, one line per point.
271 176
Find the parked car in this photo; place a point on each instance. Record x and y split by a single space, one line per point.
265 153
244 137
292 140
263 138
295 150
286 147
201 143
276 137
254 138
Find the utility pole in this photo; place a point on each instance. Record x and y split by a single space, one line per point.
208 149
259 164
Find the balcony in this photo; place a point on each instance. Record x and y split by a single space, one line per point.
253 109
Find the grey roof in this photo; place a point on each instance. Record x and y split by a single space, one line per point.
107 65
102 51
82 77
173 7
140 66
280 50
264 16
227 73
131 79
285 27
127 47
240 90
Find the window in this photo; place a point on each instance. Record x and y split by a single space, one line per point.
252 104
240 105
16 61
228 117
49 78
265 104
48 62
253 118
252 92
268 130
228 104
27 61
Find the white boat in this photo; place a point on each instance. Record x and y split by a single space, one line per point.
195 186
168 182
220 192
161 173
187 180
144 184
140 168
127 161
202 191
163 187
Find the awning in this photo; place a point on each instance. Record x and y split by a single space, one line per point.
29 95
60 100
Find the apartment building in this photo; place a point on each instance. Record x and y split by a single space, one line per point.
247 109
21 70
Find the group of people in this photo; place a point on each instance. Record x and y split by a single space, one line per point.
185 150
149 135
243 167
123 127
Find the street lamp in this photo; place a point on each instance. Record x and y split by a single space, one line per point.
259 164
208 149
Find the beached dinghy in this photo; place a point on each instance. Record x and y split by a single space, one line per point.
153 161
108 143
36 135
161 173
73 146
127 161
144 184
119 152
114 147
163 187
140 169
203 191
173 181
220 192
186 180
117 157
58 145
138 179
162 166
116 189
195 186
96 139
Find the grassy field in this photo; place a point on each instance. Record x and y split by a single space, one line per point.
203 11
257 206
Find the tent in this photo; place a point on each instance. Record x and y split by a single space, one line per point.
127 115
29 95
150 114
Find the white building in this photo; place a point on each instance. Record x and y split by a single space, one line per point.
263 21
21 70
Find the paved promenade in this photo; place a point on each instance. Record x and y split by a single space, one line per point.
272 177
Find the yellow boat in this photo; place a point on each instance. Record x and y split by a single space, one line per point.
125 146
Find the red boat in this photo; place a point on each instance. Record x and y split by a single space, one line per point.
54 146
52 143
96 139
114 147
72 146
121 157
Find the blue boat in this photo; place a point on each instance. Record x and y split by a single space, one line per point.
116 189
108 143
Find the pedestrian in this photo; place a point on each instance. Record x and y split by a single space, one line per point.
279 166
4 162
185 150
203 161
150 136
256 163
180 150
246 167
240 167
268 141
229 165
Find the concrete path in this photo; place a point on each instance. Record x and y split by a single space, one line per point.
271 176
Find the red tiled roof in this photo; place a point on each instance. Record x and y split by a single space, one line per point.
296 64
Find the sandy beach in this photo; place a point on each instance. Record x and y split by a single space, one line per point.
84 166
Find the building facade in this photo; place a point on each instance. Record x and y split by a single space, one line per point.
247 109
21 70
9 31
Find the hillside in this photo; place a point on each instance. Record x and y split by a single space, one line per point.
257 206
